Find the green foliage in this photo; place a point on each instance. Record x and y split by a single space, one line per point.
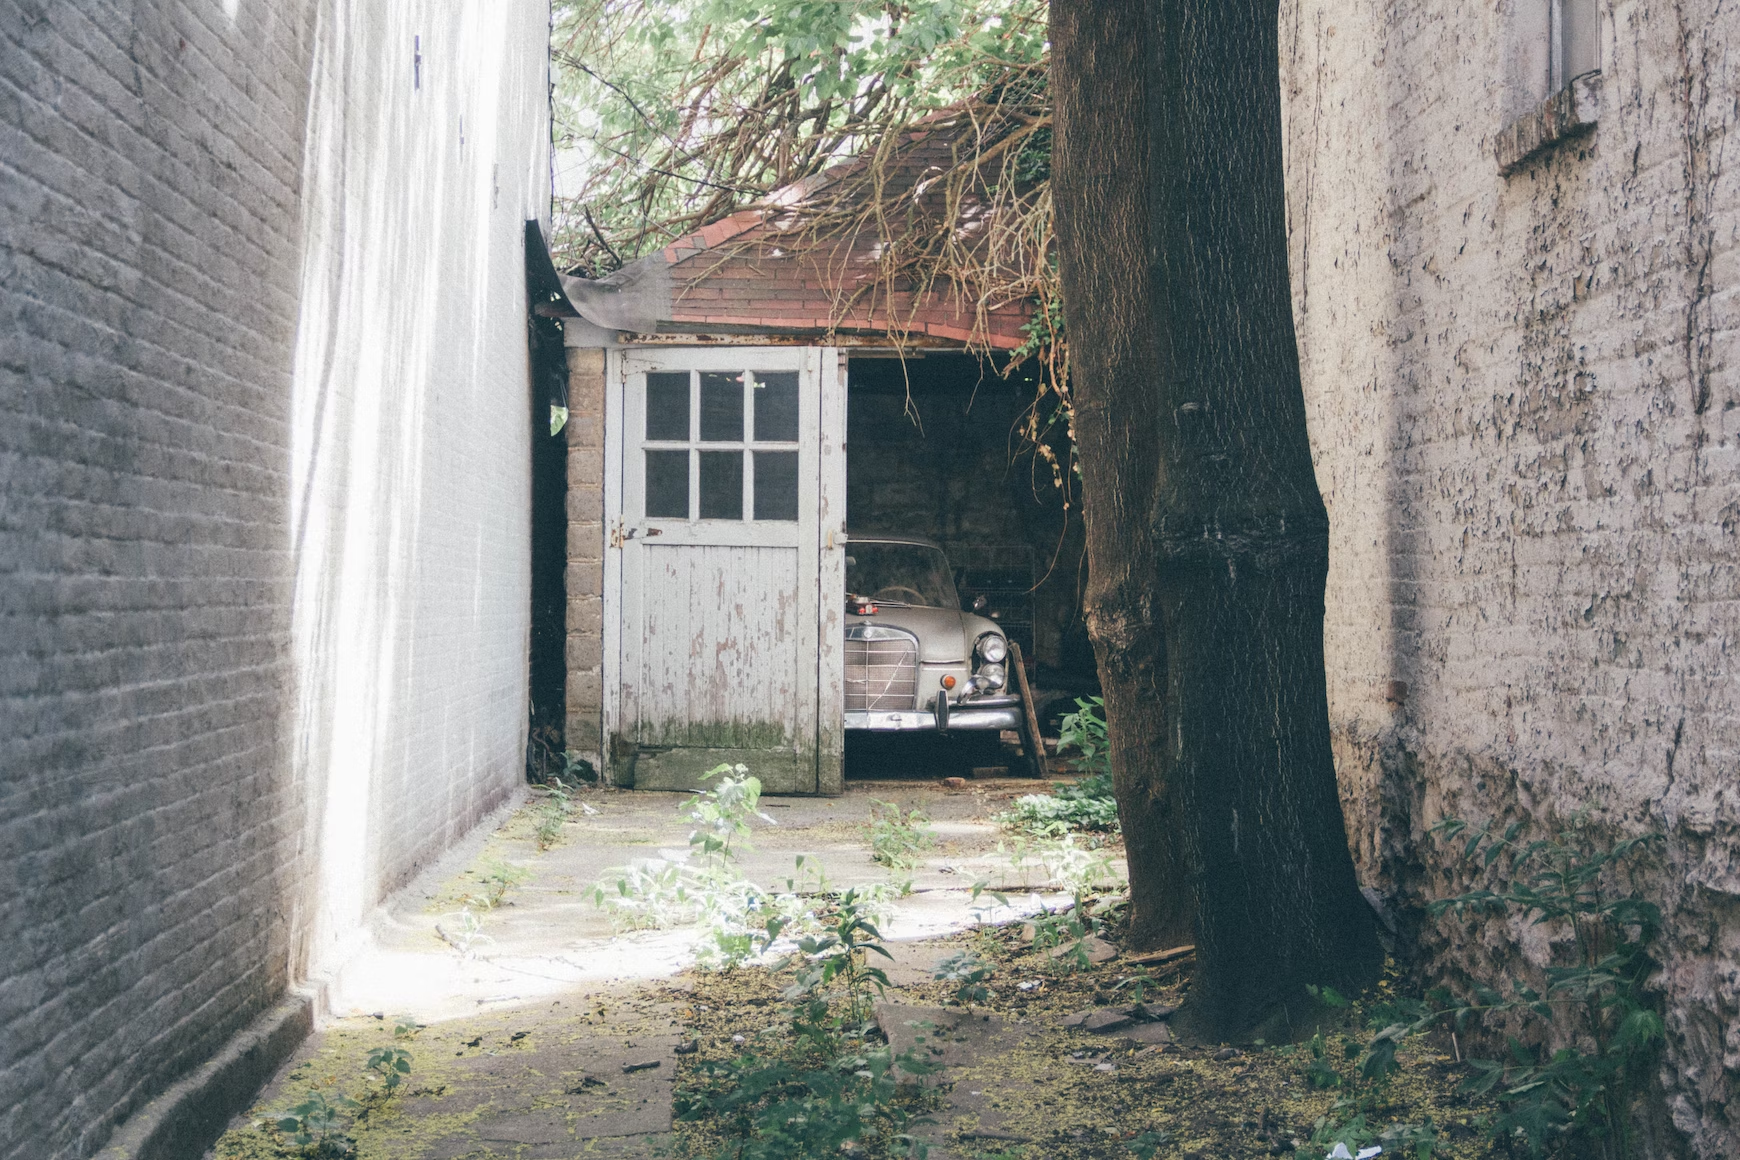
1085 732
466 933
782 1109
1598 1004
317 1125
672 113
735 919
835 1088
391 1064
1565 1101
838 954
721 814
1148 1144
969 973
898 840
1086 804
497 879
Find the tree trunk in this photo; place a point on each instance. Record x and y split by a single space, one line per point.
1103 251
1215 453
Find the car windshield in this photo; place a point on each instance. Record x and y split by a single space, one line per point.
900 574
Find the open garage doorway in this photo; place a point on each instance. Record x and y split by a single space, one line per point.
935 453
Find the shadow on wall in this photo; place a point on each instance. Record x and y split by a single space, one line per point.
410 489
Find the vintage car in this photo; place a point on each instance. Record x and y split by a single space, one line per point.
915 660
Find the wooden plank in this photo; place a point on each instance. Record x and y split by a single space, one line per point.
831 575
1031 741
611 602
1155 958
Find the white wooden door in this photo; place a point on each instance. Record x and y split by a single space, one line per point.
725 484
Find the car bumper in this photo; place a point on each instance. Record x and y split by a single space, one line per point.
985 714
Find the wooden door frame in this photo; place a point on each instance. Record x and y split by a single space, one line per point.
829 367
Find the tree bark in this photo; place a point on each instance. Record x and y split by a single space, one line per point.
1236 534
1104 260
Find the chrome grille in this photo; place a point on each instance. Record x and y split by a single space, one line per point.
881 668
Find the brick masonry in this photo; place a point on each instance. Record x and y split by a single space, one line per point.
1523 406
263 492
585 577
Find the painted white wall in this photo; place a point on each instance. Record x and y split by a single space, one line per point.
427 149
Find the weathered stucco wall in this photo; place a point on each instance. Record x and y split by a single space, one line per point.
1525 415
263 480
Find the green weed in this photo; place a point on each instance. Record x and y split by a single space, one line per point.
391 1065
318 1124
836 1090
898 840
969 972
1086 804
1575 1099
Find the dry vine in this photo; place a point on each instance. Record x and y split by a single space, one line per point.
909 151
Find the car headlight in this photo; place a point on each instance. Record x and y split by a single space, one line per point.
992 648
991 676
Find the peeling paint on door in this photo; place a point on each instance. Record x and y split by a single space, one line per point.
714 595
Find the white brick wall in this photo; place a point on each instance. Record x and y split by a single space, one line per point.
263 484
411 416
1524 412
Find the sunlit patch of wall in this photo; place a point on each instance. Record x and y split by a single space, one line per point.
263 484
426 152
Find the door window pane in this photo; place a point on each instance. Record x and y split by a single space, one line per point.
667 484
721 408
667 405
776 406
776 485
721 485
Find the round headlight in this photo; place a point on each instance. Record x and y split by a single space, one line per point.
991 675
993 648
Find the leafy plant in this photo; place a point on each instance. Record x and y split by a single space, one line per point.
969 972
839 954
1085 804
1598 1004
1149 1143
897 840
466 934
1085 732
721 814
836 1089
497 879
798 1109
733 917
318 1123
1579 1095
391 1064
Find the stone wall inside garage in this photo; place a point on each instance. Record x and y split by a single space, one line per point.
934 450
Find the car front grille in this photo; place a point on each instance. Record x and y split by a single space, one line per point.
881 668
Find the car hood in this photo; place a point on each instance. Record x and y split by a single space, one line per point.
944 635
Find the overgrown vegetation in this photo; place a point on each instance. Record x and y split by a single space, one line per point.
1594 1025
829 1088
319 1125
1084 804
898 839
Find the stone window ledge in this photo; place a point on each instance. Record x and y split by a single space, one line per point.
1570 112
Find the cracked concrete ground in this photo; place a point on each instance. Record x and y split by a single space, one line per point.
554 1036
